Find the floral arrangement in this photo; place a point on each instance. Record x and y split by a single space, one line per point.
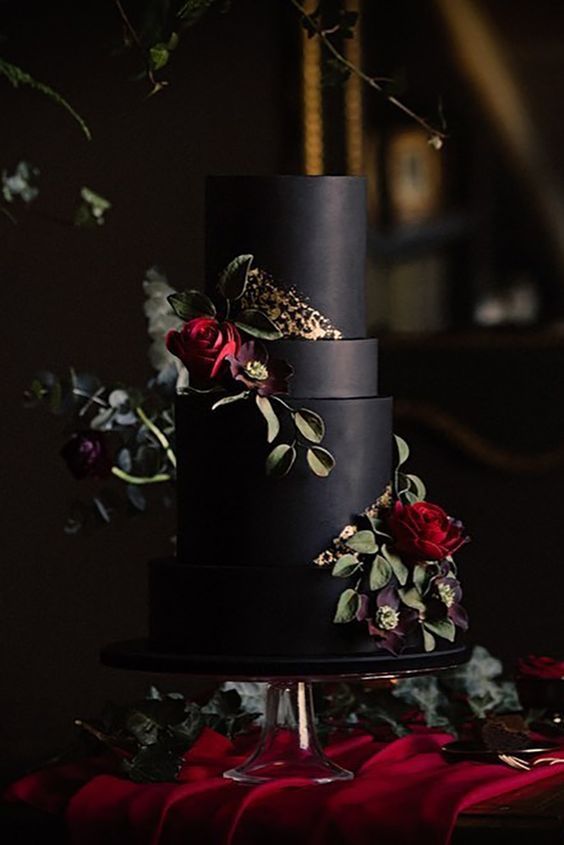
223 351
399 555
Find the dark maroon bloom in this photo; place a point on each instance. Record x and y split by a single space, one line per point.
423 531
537 666
392 620
86 455
446 588
203 344
252 366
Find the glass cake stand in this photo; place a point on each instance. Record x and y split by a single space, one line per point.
288 746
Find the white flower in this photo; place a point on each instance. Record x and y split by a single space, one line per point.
18 184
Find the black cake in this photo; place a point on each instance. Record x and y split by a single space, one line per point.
244 583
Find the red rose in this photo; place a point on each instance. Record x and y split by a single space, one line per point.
535 666
203 344
423 531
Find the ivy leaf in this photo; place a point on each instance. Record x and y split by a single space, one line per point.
442 627
273 423
233 280
310 425
345 566
191 303
412 598
347 607
257 324
399 568
428 640
320 461
281 460
402 450
227 400
380 573
153 764
363 542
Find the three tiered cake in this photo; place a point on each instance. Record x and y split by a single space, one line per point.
299 534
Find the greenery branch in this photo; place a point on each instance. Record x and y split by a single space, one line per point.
437 136
140 479
163 440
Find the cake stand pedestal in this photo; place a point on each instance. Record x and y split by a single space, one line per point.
288 746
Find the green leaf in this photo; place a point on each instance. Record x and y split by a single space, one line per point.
227 400
281 460
378 527
159 55
257 324
347 606
191 303
233 280
273 423
418 487
402 449
310 425
363 542
153 764
420 576
428 641
412 598
320 461
345 566
399 568
380 573
442 627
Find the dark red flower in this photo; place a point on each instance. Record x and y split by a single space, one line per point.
423 531
203 344
252 366
537 666
86 455
392 620
447 591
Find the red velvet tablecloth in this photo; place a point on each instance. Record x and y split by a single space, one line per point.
404 792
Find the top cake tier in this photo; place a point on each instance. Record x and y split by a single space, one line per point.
307 234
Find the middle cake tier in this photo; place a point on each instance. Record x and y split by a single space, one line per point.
230 512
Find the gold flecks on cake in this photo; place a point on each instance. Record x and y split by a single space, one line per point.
339 545
287 308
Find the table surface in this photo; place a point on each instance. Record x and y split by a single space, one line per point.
534 813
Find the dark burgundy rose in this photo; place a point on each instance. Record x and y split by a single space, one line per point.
423 531
252 367
86 455
536 666
203 344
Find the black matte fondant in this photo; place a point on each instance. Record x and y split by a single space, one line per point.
307 231
231 512
339 369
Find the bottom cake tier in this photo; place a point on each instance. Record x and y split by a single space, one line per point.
250 611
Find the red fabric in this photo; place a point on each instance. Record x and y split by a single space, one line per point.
404 791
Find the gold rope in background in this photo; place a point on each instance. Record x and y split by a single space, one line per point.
312 99
354 135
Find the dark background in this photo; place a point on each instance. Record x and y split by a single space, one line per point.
481 407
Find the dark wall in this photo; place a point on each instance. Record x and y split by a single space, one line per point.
74 296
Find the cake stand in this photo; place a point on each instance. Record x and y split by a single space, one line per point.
288 746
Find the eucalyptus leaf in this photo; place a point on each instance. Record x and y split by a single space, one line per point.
408 497
442 627
257 324
280 460
320 461
347 606
399 568
345 566
233 280
227 400
273 423
402 450
136 496
412 598
363 542
310 425
378 527
420 577
380 573
418 487
428 640
191 303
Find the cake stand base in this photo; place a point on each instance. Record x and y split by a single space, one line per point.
288 746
